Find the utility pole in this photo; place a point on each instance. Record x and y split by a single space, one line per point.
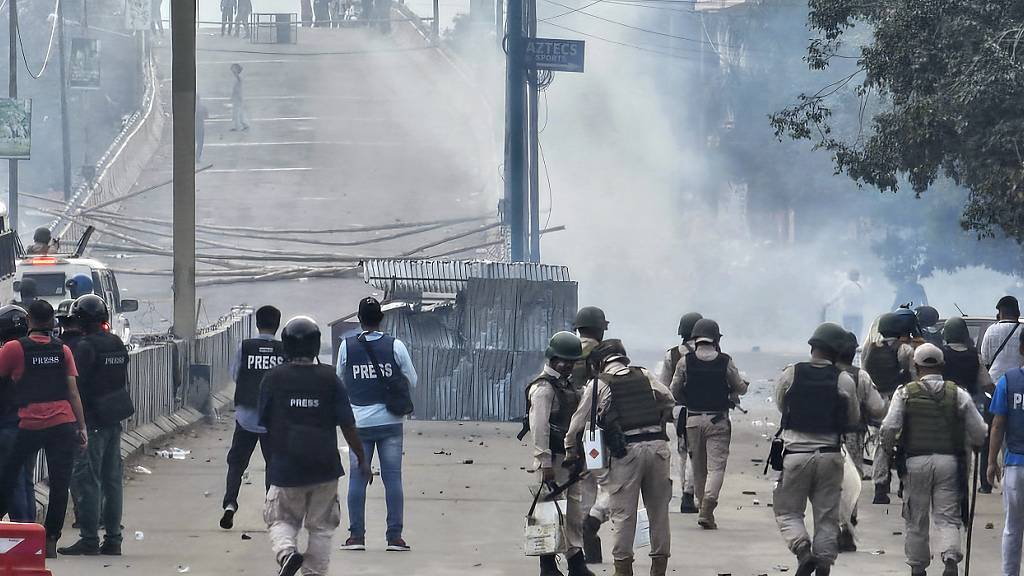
534 143
499 22
183 107
12 91
65 130
515 130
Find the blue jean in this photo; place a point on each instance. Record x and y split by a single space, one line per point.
98 481
387 441
22 507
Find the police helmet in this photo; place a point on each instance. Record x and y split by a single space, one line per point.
590 317
927 316
829 337
889 325
64 309
686 324
13 323
706 330
907 322
955 331
849 350
301 338
608 351
90 309
565 345
79 285
42 235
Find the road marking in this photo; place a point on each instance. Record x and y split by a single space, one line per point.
298 119
309 143
238 170
310 97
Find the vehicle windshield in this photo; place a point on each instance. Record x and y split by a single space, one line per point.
48 285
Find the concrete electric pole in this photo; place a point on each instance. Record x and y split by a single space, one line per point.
12 190
183 90
515 131
65 129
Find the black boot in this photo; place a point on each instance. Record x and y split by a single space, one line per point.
881 494
951 568
823 571
688 506
578 565
81 548
110 548
549 566
51 548
846 541
591 541
807 567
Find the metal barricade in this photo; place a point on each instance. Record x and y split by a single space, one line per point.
274 28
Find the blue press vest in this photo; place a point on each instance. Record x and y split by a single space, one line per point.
1015 414
360 376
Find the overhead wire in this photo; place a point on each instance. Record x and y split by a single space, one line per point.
49 47
662 52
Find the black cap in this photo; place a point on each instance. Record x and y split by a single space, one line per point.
370 313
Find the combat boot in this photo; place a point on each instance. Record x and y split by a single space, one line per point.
623 567
659 565
688 506
591 541
706 519
881 494
918 572
549 566
578 565
951 568
823 570
806 567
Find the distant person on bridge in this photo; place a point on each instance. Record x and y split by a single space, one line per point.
227 16
307 14
253 359
102 360
42 241
302 404
156 8
238 101
365 362
242 20
22 508
50 412
321 13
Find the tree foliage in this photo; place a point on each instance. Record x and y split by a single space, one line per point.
947 81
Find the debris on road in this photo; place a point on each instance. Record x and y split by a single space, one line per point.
139 536
139 469
173 453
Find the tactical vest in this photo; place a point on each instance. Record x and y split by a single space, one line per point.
932 423
258 357
962 367
1015 411
563 406
883 366
674 356
633 400
304 419
364 387
104 389
581 370
706 388
813 402
46 374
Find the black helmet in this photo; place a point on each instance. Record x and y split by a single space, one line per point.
590 317
927 316
890 325
907 322
42 236
849 351
301 338
955 330
64 309
13 323
611 349
90 309
706 330
830 337
686 324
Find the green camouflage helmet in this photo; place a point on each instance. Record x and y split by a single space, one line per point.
830 337
955 330
686 324
565 345
590 317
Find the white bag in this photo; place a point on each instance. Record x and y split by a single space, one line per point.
594 450
545 528
851 490
642 537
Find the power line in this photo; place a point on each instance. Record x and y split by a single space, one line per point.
49 48
573 11
623 44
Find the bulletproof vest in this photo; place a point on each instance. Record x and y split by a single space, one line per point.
258 357
581 370
931 422
883 366
933 337
562 408
962 367
633 400
361 376
110 372
304 417
46 373
674 356
1015 412
706 388
813 402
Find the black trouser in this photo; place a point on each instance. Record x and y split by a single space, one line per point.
60 444
243 443
227 20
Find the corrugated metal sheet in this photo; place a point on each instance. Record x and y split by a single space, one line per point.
450 277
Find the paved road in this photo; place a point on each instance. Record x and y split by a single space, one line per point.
348 128
466 519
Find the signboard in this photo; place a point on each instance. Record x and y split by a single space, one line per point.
136 14
84 68
15 128
553 54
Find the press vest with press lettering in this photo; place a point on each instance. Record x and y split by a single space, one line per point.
1015 412
258 357
304 418
931 422
706 388
46 373
361 377
813 402
962 367
109 375
633 400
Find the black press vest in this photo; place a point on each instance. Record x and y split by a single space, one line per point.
304 419
962 368
110 372
706 388
813 402
258 357
633 400
45 378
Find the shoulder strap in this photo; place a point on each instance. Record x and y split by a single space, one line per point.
373 357
1003 345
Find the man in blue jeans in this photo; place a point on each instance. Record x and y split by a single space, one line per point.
379 429
1008 424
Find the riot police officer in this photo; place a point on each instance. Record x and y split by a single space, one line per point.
302 405
551 401
102 361
591 325
14 325
42 240
672 357
819 404
254 358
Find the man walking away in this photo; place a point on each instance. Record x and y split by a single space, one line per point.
591 324
927 319
1000 356
227 16
254 358
633 409
551 400
932 419
302 405
672 358
710 384
50 413
850 300
364 361
22 507
102 361
242 20
819 404
238 118
1008 425
964 365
